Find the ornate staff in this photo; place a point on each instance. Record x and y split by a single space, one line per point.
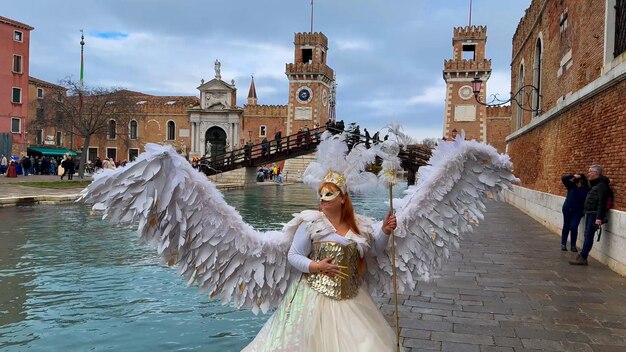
389 152
393 261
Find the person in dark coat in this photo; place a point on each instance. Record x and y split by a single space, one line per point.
26 165
595 210
71 168
577 188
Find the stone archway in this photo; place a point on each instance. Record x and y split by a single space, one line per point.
215 141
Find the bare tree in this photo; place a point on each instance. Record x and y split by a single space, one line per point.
430 142
87 112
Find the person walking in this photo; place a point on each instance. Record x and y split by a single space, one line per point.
277 139
3 164
577 188
65 166
71 168
595 210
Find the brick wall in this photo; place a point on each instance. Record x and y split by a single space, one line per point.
152 119
273 117
582 36
498 126
587 133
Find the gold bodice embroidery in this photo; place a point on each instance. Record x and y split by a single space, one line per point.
336 287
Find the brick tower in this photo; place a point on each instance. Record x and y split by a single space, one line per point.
462 112
310 81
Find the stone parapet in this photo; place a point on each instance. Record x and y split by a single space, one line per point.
468 32
499 111
467 65
266 110
306 68
304 38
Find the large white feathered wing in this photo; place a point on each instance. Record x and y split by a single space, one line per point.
442 207
185 217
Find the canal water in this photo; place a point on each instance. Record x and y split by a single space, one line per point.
71 282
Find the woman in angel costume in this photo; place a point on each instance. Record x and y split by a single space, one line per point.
320 271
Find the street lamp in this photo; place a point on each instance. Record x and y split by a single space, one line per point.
526 98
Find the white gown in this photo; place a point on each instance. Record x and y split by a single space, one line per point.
307 320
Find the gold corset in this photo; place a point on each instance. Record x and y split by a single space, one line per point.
336 287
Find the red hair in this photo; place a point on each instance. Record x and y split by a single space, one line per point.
347 211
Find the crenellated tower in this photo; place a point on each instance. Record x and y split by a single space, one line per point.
310 81
462 111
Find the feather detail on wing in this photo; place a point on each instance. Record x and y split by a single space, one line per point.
185 217
444 205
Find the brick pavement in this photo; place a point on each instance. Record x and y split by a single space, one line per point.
509 288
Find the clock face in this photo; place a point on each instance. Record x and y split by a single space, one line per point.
466 92
304 94
324 98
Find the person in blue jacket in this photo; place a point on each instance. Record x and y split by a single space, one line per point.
573 208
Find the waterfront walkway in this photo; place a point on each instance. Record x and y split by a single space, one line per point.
508 288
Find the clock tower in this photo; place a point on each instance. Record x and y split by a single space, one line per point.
310 81
462 111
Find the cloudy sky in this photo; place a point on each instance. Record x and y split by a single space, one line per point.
387 54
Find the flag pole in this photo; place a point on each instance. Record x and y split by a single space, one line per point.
311 16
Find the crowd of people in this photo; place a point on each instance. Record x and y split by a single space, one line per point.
270 173
29 165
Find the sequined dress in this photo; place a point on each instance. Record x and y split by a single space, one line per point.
320 313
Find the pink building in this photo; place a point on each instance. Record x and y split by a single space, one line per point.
14 58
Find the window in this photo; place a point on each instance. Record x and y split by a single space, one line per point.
39 137
536 103
111 134
18 36
469 52
262 131
563 21
39 115
59 138
112 153
307 56
17 96
520 84
16 123
171 130
620 28
133 153
17 63
92 154
59 118
133 129
39 93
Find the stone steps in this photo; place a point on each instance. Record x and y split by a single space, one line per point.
294 167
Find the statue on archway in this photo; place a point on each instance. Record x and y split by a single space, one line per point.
218 74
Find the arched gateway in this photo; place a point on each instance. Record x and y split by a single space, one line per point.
215 141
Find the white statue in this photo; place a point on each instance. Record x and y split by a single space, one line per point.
218 74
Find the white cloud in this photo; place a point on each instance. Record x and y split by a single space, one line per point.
434 94
343 44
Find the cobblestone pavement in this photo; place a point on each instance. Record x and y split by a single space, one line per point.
510 288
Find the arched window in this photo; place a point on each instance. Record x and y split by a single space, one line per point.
112 129
171 130
537 78
133 129
520 84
